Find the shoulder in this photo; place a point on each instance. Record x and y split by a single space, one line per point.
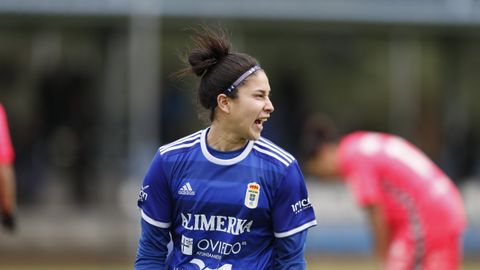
181 145
272 152
363 142
361 149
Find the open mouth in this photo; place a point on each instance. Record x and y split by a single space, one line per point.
260 121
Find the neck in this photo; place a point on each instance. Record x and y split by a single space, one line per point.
221 139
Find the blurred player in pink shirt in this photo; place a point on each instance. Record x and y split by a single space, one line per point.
415 210
7 176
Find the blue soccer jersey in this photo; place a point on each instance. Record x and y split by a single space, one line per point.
224 209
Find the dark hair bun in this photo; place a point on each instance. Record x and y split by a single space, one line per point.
210 48
218 67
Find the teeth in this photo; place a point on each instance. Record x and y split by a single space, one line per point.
261 120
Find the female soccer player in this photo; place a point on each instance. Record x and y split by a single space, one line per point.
7 176
225 196
415 211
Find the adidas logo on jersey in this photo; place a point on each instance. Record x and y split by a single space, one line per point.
186 190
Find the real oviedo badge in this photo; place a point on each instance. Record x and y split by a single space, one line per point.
252 195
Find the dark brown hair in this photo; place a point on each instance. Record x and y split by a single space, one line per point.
211 59
318 130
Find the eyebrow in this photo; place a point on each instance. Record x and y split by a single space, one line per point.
265 92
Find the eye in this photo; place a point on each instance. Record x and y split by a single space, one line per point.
261 95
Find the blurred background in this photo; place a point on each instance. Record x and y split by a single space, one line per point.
87 91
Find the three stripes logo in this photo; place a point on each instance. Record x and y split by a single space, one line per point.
186 190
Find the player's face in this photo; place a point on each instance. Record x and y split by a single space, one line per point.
252 107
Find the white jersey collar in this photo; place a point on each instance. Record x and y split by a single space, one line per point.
219 161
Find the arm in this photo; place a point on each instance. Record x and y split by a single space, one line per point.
155 204
380 230
152 247
7 196
292 215
289 252
7 189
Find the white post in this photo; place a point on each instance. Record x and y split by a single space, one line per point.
143 89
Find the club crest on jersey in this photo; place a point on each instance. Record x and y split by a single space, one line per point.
252 195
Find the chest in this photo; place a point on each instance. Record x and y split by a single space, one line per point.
224 189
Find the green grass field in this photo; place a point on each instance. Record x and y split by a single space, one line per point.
340 263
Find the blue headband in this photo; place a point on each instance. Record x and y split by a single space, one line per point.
236 83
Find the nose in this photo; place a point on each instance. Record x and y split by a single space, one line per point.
269 106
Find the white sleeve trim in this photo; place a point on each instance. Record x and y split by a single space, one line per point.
163 225
296 230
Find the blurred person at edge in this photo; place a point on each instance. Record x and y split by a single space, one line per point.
415 211
7 175
225 196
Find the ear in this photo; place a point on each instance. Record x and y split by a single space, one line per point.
223 103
